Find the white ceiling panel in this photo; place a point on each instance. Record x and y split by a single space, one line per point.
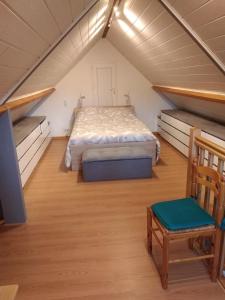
69 51
162 49
61 12
9 74
207 19
13 57
28 28
15 32
151 12
206 13
3 48
213 29
76 7
143 31
187 7
158 25
37 16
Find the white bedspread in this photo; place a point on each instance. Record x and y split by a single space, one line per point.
103 125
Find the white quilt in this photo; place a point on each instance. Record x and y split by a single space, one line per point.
103 125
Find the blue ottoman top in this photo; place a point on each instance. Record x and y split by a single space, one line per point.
115 153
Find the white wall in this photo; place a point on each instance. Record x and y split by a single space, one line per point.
80 81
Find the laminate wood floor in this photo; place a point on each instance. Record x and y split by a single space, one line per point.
87 241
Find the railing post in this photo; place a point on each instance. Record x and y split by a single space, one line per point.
192 154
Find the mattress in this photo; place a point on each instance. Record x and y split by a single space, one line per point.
107 125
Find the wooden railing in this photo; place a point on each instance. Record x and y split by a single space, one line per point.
209 154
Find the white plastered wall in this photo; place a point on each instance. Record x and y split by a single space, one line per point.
80 81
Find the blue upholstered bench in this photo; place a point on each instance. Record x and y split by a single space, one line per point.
116 163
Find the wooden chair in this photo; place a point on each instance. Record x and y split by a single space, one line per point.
196 217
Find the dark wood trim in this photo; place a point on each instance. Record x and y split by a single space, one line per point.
203 95
108 24
25 99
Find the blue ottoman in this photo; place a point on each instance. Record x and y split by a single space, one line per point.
116 163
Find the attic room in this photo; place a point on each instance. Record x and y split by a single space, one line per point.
112 149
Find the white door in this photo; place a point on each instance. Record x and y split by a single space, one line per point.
105 84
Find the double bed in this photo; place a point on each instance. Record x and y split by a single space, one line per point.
103 127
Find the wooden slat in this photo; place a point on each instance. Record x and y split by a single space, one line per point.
25 99
218 150
188 259
203 95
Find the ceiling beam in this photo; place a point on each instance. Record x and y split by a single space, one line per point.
25 99
109 21
197 94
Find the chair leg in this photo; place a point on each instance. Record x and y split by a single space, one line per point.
222 261
191 243
165 263
216 252
149 230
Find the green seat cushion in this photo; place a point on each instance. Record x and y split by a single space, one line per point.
182 214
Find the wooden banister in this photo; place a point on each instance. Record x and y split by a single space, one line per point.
16 102
210 146
204 95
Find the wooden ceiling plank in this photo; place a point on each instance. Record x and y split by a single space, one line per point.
197 94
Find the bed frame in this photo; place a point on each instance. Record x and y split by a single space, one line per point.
77 150
207 153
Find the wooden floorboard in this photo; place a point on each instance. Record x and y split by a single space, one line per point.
88 240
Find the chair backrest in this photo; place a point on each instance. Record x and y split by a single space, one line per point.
208 188
205 177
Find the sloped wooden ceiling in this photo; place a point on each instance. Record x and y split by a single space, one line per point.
29 28
207 19
151 38
143 30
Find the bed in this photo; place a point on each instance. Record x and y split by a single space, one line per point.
101 127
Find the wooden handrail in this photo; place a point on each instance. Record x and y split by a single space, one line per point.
25 99
204 95
203 142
